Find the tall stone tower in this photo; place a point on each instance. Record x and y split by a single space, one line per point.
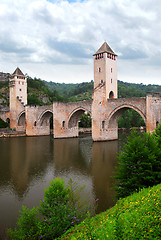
105 71
105 91
18 95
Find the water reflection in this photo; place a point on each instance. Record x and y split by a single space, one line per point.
103 166
27 165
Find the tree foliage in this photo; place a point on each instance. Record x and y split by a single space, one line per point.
85 121
61 208
139 163
130 118
3 124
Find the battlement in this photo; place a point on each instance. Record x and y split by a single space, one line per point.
151 94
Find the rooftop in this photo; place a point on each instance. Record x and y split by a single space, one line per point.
18 72
105 48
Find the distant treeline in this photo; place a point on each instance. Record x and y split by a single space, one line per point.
41 92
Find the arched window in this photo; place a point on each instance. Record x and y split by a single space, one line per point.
111 94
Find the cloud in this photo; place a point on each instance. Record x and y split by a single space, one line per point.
70 32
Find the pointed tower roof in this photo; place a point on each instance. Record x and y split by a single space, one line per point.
105 48
18 72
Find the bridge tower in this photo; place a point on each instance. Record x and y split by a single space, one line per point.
18 95
105 71
105 90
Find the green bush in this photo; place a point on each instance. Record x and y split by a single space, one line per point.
139 164
28 225
56 209
61 208
3 124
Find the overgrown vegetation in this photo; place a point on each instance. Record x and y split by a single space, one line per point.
139 163
134 217
62 208
3 124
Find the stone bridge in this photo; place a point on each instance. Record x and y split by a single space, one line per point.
36 120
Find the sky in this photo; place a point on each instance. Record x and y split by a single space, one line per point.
55 39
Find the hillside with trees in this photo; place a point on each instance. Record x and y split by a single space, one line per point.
41 92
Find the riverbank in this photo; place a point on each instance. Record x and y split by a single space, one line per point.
134 217
7 132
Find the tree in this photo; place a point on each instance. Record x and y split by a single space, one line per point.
85 121
3 124
139 164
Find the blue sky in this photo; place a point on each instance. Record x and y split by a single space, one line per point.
55 39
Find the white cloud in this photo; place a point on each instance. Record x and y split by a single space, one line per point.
66 33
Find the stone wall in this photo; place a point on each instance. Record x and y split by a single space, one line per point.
66 117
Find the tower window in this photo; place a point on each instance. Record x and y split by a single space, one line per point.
22 83
111 70
20 89
63 124
111 80
99 69
101 81
103 124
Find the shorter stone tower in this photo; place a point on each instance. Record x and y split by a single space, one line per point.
105 71
18 95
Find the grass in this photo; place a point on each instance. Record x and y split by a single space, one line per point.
135 217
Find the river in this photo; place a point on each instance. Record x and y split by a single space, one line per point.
27 165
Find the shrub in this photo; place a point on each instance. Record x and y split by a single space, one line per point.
28 225
61 208
139 164
56 209
3 124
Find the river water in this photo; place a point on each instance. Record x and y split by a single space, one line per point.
27 165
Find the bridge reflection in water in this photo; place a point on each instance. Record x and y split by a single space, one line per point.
28 164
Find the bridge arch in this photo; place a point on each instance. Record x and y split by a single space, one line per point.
44 119
117 112
75 115
22 119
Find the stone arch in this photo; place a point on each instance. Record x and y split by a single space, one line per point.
44 119
117 112
22 119
75 115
